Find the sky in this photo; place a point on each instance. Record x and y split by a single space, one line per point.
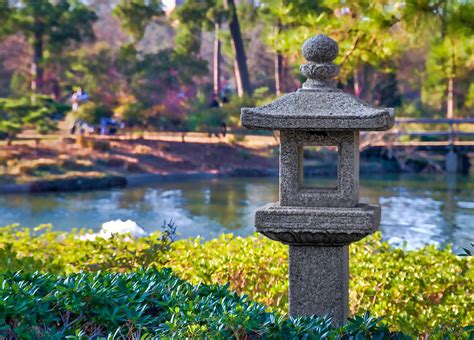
169 5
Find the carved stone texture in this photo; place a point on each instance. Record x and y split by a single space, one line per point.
322 71
320 49
316 110
317 226
292 191
319 281
318 105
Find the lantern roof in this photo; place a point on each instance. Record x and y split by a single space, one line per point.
318 105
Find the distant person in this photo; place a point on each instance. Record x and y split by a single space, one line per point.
223 129
110 126
81 127
213 105
214 102
72 128
78 97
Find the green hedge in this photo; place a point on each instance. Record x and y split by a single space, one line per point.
419 292
149 303
416 291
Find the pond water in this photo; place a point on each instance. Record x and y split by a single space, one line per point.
417 209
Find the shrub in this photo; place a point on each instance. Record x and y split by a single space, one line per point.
91 112
17 114
132 113
203 118
416 291
41 249
149 303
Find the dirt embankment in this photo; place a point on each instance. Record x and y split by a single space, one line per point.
71 164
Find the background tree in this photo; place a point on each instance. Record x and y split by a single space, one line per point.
193 18
159 83
217 15
135 15
448 26
50 27
241 70
95 70
282 17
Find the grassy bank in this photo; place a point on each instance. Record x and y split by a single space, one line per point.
96 158
417 291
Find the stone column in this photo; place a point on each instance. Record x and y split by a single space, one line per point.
319 281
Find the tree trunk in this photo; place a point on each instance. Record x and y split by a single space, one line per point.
278 73
450 94
55 89
450 99
238 45
238 79
217 61
357 87
36 67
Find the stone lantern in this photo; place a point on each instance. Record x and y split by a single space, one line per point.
318 224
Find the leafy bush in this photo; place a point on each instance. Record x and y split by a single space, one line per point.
416 291
149 303
91 112
16 114
203 118
132 113
43 250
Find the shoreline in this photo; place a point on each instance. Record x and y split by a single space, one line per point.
120 180
118 163
84 183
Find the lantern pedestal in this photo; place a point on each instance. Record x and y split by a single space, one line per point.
319 281
318 253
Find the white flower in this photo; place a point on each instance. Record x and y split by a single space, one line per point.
116 227
122 227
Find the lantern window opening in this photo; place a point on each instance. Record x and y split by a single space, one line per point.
319 167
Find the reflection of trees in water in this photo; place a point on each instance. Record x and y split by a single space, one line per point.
15 201
226 201
449 208
372 189
218 200
446 189
33 203
134 199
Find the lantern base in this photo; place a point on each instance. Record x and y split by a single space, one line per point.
317 225
319 282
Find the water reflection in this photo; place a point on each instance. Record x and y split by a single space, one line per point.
416 209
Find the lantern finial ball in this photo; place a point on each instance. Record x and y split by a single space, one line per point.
320 49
